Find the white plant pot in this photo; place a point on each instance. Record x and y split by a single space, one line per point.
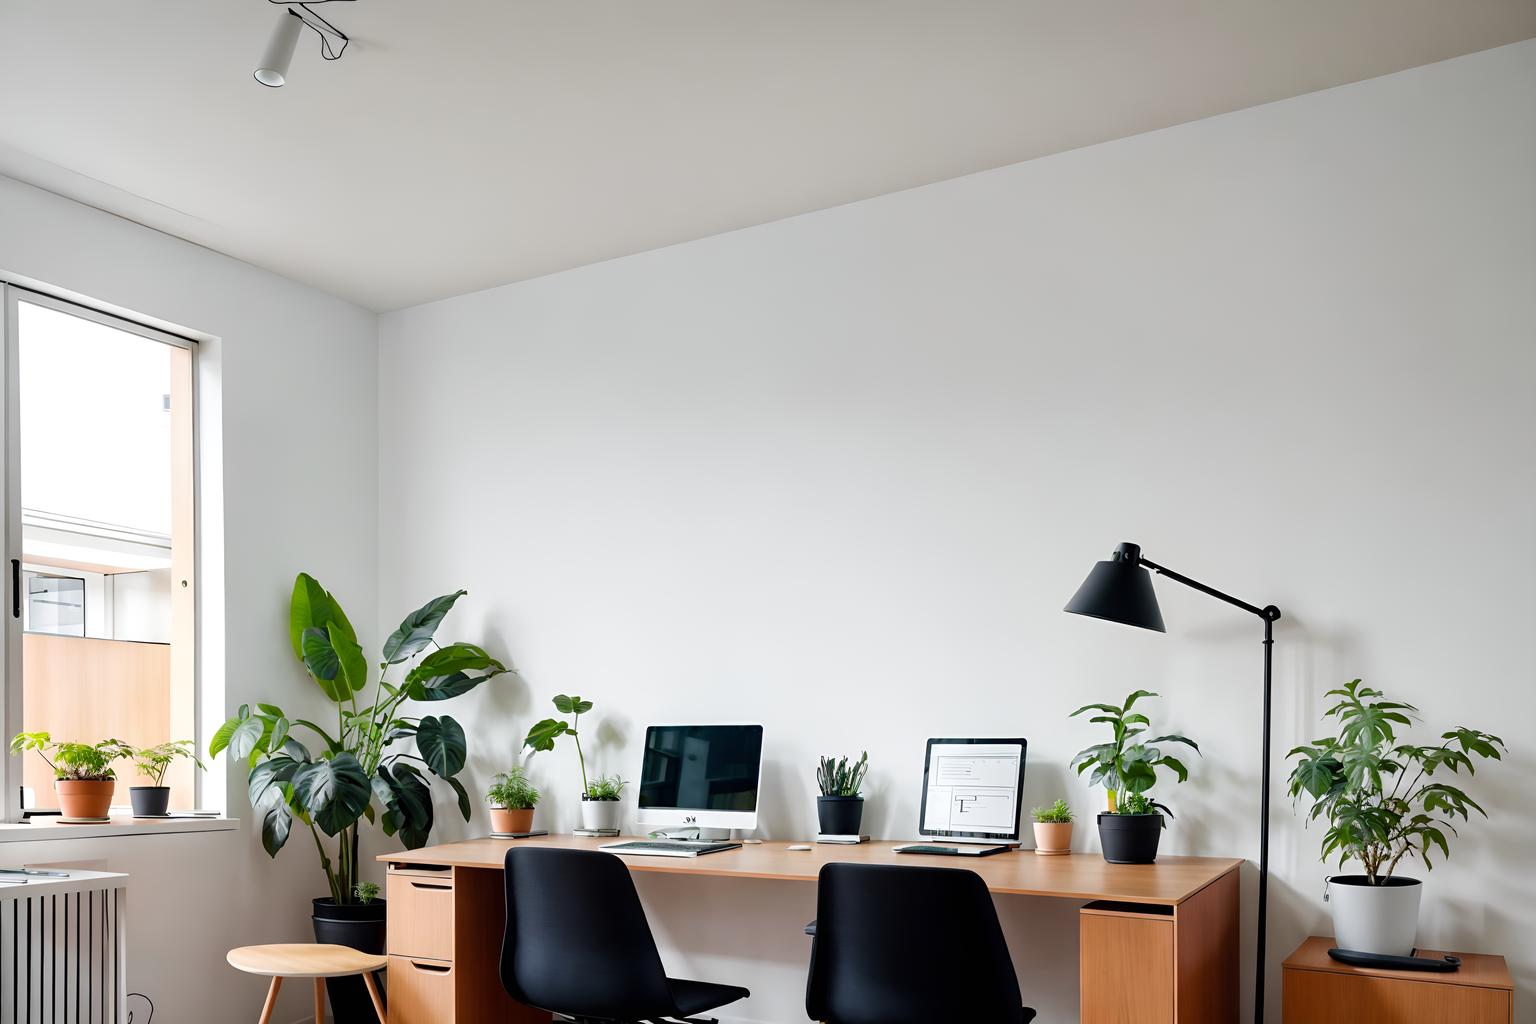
1375 918
600 813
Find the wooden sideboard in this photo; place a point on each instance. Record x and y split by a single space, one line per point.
1320 990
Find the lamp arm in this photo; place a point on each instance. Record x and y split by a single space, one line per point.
1269 613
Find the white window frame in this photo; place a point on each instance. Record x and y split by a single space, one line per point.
12 682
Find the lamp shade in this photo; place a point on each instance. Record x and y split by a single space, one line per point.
1119 590
273 69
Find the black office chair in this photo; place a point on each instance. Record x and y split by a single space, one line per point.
908 945
577 944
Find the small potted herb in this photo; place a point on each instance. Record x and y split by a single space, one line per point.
600 808
512 798
152 801
600 803
840 808
1126 767
82 772
1053 829
1383 803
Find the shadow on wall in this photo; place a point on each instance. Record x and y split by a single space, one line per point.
776 796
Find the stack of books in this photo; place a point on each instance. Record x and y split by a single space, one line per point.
596 833
849 840
520 835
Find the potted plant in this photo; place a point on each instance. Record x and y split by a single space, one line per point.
512 798
152 763
840 807
1383 803
1053 829
82 772
379 762
600 807
1126 767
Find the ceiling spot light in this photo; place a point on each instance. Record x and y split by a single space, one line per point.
272 71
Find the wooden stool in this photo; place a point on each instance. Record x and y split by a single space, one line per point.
308 960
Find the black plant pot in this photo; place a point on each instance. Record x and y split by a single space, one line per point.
360 926
149 801
839 815
1130 838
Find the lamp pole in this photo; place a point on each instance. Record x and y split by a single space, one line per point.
1114 591
1269 613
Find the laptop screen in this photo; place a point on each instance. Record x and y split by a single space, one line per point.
972 789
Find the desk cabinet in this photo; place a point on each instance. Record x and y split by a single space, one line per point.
1319 990
1155 964
444 944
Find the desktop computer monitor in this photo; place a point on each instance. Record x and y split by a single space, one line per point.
701 776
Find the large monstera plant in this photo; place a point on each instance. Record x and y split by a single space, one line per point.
376 762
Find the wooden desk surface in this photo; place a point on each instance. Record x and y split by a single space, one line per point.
1479 970
1084 876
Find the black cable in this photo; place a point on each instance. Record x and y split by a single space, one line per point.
327 47
148 1000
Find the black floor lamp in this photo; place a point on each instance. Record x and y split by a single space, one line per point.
1120 590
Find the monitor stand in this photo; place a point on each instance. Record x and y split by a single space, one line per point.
694 832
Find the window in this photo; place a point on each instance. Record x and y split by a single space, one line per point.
100 540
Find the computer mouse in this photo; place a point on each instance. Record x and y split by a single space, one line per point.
798 846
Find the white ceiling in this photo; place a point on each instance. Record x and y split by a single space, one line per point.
462 144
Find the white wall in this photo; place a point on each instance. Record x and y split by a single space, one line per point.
287 412
838 474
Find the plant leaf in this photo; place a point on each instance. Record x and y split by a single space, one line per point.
334 791
417 629
275 826
543 734
442 745
244 737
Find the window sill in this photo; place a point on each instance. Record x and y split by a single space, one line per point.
43 830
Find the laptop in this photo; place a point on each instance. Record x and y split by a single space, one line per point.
973 792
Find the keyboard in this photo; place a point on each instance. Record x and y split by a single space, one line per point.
953 851
669 847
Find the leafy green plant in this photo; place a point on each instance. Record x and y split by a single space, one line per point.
154 762
369 759
605 787
73 762
1380 796
840 777
1058 813
543 735
512 790
366 892
1139 803
1127 766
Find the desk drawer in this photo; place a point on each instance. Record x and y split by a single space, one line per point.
1322 997
421 916
420 991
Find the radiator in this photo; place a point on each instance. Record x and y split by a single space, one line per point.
62 955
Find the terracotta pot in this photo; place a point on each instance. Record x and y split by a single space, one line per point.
511 819
81 799
1053 838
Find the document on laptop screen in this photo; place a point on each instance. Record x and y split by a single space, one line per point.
973 788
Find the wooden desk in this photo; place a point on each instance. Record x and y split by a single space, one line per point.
1158 942
1320 990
